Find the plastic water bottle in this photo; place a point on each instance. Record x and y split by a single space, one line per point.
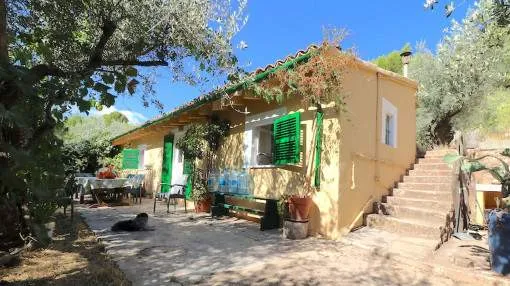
234 182
226 173
222 184
243 182
212 182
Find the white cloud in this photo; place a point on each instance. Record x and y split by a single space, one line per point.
132 116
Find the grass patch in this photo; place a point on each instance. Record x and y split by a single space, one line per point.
74 257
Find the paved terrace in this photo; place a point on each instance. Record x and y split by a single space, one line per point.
195 249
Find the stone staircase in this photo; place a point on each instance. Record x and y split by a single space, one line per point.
420 206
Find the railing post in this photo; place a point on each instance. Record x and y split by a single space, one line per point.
460 192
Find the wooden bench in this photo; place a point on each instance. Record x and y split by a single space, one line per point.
266 211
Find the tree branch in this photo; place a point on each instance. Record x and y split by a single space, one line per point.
134 63
43 70
96 57
38 72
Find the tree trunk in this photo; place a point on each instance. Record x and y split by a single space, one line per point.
443 132
4 55
10 225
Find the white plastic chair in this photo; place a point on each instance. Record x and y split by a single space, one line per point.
134 186
176 191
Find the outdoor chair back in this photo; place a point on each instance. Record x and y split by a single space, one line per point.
175 191
84 175
79 188
134 186
180 186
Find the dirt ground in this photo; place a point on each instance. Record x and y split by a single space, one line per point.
74 258
187 248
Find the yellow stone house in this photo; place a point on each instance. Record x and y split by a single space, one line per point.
364 150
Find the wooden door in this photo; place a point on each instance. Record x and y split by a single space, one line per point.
166 170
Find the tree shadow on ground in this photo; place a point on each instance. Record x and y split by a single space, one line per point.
229 251
74 258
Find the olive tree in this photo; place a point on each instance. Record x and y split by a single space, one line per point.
58 54
457 79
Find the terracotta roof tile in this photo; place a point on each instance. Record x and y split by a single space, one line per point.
285 59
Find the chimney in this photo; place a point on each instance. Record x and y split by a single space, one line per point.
405 57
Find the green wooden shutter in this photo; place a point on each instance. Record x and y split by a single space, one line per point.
287 135
318 149
130 158
187 169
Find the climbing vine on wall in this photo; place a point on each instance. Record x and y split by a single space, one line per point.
318 80
203 137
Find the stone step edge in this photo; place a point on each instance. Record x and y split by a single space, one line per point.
418 192
416 222
415 209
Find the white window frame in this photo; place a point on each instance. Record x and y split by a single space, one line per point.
391 110
251 123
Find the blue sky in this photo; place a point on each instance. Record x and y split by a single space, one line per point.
278 28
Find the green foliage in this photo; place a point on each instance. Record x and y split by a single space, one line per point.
500 11
94 128
200 140
470 165
192 144
491 116
456 82
199 191
115 161
58 54
92 49
214 131
316 79
115 117
87 145
392 61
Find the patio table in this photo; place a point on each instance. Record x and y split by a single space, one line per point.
95 186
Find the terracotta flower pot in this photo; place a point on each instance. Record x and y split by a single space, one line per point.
203 206
299 208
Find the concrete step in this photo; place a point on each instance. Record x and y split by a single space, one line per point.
432 166
431 173
425 186
430 160
422 194
418 203
410 227
437 217
391 243
427 179
440 152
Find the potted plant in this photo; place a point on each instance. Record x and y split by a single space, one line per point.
296 212
499 218
199 194
199 144
299 203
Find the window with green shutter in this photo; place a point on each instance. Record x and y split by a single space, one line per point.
287 139
130 158
318 148
187 167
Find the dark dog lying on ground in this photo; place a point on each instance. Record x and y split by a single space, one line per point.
139 223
